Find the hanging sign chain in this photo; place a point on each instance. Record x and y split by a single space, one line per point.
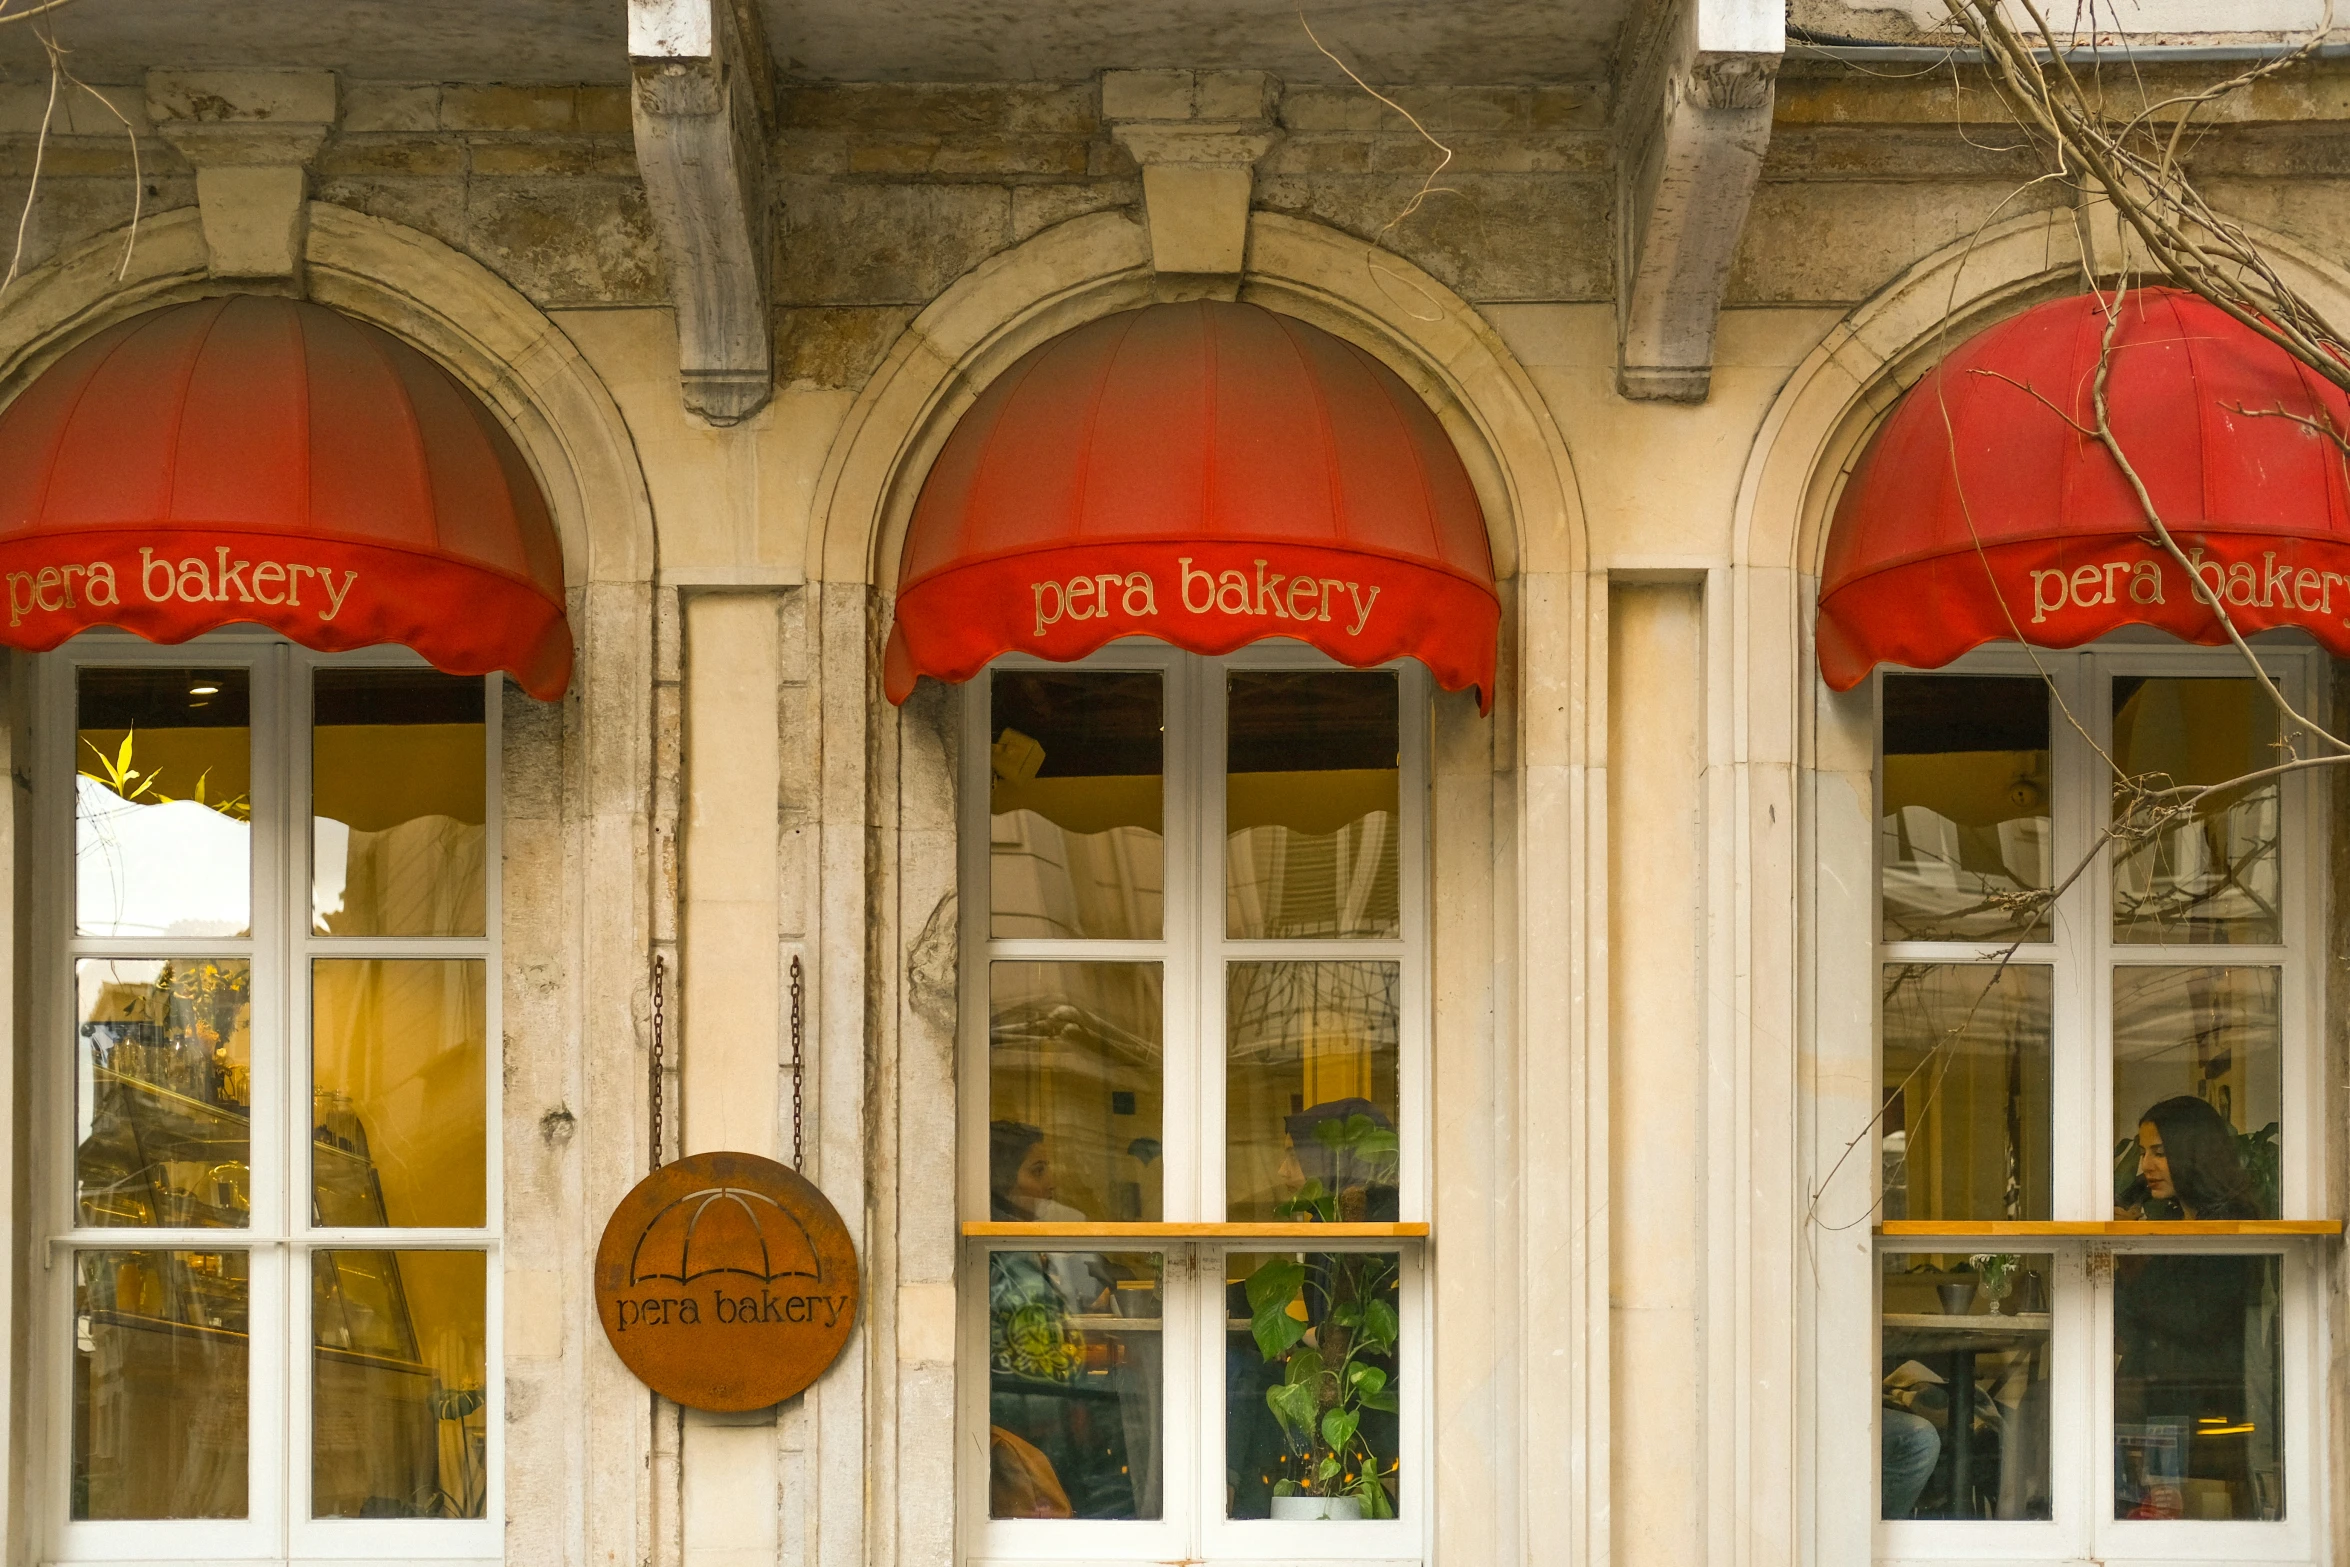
660 973
799 1057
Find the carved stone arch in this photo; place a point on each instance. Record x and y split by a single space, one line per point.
490 337
582 843
1098 264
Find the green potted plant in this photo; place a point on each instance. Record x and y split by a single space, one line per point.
1326 1323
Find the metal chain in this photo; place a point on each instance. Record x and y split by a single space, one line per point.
660 973
799 1057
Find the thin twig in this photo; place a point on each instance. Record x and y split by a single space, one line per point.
1428 186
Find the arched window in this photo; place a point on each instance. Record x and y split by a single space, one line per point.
264 1094
1194 1042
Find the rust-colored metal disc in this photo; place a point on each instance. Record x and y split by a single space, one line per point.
726 1281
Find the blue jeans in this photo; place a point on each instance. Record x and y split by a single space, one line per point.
1911 1448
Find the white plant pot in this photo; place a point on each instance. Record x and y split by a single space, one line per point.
1317 1509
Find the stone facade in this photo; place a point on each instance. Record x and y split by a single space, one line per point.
1629 1323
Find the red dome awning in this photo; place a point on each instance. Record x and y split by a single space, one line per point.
251 460
1206 473
1979 512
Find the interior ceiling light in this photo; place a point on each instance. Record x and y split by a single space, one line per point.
203 690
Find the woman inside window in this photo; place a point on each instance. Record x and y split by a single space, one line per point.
2191 1332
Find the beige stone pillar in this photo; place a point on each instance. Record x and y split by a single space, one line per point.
732 1011
1657 1073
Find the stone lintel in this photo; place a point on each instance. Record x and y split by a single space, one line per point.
1198 136
1691 131
252 136
699 148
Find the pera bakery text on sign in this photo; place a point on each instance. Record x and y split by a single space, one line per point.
726 1281
227 578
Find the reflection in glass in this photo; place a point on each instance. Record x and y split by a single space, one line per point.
2197 1388
398 802
2197 1092
399 1419
1311 804
2212 876
1310 1091
1311 1386
1076 796
1963 1385
1966 1079
1075 1053
162 834
159 1369
399 1064
1966 827
1075 1382
163 1068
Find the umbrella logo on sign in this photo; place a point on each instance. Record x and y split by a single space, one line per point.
724 1229
726 1281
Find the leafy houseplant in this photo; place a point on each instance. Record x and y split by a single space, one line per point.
1326 1351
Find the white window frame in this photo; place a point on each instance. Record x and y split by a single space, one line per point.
281 949
2083 954
1194 949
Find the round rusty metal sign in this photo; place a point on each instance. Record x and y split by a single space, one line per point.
726 1281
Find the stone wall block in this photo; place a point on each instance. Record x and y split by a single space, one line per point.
378 106
248 97
473 108
363 156
883 244
430 206
1038 207
598 157
566 241
836 345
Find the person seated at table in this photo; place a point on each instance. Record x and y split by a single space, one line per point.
1909 1413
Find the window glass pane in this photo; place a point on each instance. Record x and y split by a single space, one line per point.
1311 804
2198 1385
1074 1061
399 1425
1311 1387
1965 1129
159 1367
1966 829
1310 1101
162 845
1075 1378
1963 1400
400 1091
2197 1092
163 1084
398 802
1076 791
2211 876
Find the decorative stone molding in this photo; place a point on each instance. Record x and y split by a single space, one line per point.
701 98
1198 136
1691 130
251 136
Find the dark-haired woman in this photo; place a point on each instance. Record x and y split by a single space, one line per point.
2181 1405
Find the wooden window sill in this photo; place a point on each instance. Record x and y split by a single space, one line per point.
2180 1227
1139 1230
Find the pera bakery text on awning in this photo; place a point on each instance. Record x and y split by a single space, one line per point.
251 460
1209 474
1986 508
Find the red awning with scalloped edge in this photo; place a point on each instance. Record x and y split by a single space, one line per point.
1986 509
1207 473
252 460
